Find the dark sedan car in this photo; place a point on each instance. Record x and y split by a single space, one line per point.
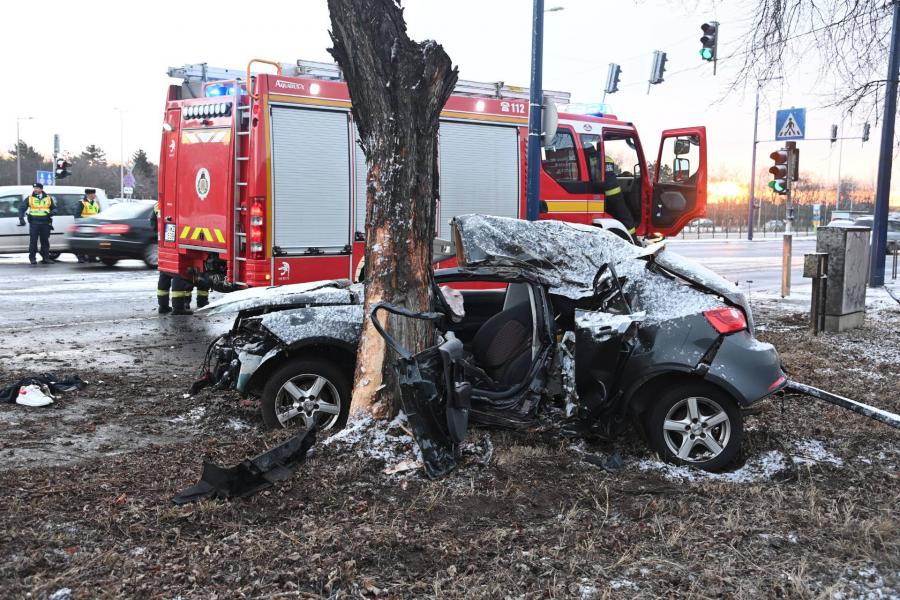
543 316
121 231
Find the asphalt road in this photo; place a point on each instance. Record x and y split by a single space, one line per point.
63 315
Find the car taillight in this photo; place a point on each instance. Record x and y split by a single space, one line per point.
726 319
72 228
114 228
257 227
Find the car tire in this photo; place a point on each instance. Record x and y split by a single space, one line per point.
150 255
302 375
696 424
109 262
54 255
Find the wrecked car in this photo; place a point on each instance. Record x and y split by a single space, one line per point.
537 317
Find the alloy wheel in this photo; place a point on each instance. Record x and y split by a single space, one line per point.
311 398
696 429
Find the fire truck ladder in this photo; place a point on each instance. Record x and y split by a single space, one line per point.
241 141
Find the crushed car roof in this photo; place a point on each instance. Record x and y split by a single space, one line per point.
334 291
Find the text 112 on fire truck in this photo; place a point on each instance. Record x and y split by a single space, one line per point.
263 183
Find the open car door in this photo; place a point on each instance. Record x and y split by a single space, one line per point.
679 184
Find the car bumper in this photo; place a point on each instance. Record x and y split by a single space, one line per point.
105 246
748 369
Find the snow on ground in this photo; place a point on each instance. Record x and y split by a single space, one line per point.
389 442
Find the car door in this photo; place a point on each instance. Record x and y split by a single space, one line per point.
12 237
679 181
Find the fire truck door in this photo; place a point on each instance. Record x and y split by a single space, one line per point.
168 186
311 182
679 184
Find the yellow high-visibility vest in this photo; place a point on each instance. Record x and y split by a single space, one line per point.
89 208
39 207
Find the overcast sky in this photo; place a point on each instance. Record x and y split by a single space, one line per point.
75 63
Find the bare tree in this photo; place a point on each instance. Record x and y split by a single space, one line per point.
398 88
850 37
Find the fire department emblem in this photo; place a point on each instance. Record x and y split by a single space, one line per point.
202 183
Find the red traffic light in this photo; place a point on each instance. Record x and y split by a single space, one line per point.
780 157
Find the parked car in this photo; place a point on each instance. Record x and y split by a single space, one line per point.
540 314
121 231
14 239
701 224
893 232
774 225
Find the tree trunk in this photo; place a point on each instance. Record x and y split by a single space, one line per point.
398 88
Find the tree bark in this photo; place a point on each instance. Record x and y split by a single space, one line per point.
398 88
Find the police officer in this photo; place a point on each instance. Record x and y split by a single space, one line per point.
39 207
90 206
614 199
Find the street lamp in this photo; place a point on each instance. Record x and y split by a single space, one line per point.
121 151
19 149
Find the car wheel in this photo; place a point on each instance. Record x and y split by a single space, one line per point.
696 424
109 262
151 255
304 392
54 255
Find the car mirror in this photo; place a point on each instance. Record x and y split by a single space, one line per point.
681 169
682 146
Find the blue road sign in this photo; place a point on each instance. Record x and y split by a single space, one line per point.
45 177
790 124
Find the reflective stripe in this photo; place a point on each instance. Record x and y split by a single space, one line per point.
185 231
632 230
613 191
39 207
162 292
186 294
202 293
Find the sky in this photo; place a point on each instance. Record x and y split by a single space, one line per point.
103 76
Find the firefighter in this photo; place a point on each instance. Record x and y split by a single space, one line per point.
164 283
39 207
614 198
90 206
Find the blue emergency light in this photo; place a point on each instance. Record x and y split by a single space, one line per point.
219 90
593 109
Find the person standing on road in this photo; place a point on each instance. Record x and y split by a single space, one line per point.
39 207
90 206
164 283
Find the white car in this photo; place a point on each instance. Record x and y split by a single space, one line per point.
14 239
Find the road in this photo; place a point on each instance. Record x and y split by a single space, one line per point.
62 315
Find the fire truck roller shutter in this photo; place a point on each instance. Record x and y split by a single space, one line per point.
479 171
311 179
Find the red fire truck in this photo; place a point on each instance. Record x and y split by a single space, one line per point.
262 181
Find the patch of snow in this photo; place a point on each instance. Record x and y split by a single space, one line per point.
61 594
622 584
343 322
237 424
758 468
386 441
193 416
810 452
335 291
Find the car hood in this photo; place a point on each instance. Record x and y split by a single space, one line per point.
316 293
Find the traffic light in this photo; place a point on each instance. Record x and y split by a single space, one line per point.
865 137
779 171
834 131
710 41
659 67
62 168
612 78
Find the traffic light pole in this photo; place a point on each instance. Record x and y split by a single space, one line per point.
788 238
533 168
883 188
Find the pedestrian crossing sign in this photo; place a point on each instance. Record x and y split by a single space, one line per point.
790 124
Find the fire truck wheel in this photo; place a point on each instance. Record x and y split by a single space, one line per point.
306 391
109 262
150 255
696 424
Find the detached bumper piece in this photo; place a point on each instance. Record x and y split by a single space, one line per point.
252 475
872 412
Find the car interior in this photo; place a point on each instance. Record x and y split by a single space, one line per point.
675 191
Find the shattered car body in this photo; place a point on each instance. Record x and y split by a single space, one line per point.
554 314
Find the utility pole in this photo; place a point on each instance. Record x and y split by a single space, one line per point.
883 188
533 181
788 238
753 169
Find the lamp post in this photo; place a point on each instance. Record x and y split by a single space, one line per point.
121 152
19 149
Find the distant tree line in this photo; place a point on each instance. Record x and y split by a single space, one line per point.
88 169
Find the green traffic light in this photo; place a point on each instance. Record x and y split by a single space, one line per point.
778 186
706 53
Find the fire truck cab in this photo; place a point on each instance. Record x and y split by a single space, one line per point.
262 181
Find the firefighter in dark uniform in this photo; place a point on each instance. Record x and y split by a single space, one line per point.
90 206
39 207
179 289
614 199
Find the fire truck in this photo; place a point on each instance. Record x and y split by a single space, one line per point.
262 181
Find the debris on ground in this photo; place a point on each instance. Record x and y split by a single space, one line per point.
46 383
